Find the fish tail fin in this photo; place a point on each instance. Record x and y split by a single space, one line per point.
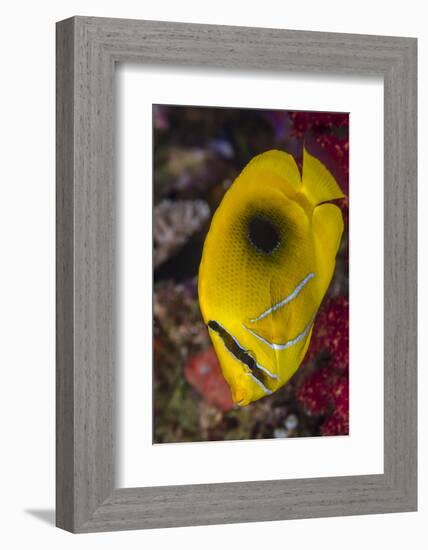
328 226
279 163
318 184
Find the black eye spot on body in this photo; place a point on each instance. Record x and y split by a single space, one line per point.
263 234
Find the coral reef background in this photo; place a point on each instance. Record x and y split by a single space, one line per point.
198 152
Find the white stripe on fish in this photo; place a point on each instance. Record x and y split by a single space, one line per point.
285 345
286 300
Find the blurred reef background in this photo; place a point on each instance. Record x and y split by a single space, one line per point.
198 152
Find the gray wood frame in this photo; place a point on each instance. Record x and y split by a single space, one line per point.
87 50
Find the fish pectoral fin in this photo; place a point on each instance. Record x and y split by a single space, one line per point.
318 184
263 328
288 342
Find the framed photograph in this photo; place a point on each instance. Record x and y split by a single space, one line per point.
254 273
236 274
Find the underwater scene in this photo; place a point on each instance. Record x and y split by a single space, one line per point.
250 274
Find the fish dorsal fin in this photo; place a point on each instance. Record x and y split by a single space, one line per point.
280 164
318 183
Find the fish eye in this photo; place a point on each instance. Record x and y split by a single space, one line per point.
263 234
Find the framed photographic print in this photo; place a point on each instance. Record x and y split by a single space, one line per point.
254 265
236 274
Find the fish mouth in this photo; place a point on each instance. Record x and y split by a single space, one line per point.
260 374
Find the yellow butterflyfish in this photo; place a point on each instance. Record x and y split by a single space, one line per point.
267 261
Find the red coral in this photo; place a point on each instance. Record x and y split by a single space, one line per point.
203 372
335 424
315 393
331 333
326 391
316 122
338 422
336 148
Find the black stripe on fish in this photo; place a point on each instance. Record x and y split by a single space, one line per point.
240 354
